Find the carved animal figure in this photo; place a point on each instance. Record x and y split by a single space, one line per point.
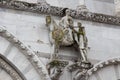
58 36
66 36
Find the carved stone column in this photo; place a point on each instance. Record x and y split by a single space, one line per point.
82 7
117 7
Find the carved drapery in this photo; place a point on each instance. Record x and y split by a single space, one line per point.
10 69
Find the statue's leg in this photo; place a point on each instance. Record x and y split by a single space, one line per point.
52 51
83 55
55 51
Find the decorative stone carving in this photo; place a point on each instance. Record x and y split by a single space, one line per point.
56 68
80 69
103 64
10 69
58 11
64 34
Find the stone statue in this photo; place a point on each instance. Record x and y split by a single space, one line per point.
56 68
67 24
60 35
64 34
82 65
54 71
81 39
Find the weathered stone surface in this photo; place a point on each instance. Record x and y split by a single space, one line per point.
30 28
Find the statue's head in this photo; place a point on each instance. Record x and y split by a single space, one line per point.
67 12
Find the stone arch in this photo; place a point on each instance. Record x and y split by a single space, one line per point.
29 55
105 68
12 70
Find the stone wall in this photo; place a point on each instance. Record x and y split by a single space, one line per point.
30 28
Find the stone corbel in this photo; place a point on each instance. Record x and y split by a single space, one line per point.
55 68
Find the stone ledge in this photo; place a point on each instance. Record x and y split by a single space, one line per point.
59 11
62 57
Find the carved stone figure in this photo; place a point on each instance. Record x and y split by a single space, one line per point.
81 39
56 68
60 35
67 24
56 36
64 34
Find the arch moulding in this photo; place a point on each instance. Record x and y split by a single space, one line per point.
7 66
104 64
30 55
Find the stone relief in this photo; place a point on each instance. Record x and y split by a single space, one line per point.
56 68
64 34
58 11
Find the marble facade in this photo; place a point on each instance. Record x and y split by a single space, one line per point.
30 29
